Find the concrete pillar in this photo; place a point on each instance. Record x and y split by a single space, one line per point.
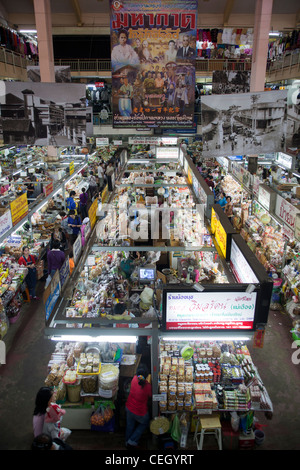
262 26
43 23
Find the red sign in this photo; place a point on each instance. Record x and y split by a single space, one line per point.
48 189
99 84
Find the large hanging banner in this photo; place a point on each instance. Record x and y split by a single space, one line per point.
153 58
243 123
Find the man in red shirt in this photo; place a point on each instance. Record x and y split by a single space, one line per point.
137 415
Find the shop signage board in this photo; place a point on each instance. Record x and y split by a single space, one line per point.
137 140
210 310
102 141
255 185
105 195
19 209
64 273
266 197
287 161
51 295
297 227
77 247
219 232
240 267
153 35
48 189
167 153
92 213
286 212
5 222
71 168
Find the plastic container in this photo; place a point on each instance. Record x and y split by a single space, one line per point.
259 436
73 392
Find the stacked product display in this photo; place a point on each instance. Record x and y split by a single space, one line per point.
108 287
12 276
212 375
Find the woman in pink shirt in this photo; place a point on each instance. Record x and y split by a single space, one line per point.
43 398
137 415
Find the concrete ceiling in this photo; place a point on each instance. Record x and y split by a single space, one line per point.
92 16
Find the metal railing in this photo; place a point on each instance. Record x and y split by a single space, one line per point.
14 58
104 65
287 60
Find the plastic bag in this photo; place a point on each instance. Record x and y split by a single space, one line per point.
175 429
235 421
48 280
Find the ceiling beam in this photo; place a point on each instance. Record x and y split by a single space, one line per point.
227 11
77 11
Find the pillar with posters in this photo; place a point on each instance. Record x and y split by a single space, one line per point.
153 58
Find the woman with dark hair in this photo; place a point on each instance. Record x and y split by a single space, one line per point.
137 415
44 396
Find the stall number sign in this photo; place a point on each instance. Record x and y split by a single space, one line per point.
210 310
19 208
219 232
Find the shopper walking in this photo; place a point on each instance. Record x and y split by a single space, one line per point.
74 221
55 258
70 202
83 200
137 414
29 261
43 398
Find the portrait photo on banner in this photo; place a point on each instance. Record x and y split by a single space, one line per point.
153 56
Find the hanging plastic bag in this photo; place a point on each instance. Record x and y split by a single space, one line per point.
235 421
175 429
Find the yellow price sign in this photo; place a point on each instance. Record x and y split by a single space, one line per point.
92 213
71 168
19 209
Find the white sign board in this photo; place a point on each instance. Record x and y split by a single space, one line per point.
284 160
240 267
167 152
5 223
286 212
210 311
102 141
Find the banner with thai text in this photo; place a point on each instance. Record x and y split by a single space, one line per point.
153 57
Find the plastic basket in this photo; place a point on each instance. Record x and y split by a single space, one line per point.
88 373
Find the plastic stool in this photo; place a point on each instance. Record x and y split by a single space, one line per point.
209 425
26 292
